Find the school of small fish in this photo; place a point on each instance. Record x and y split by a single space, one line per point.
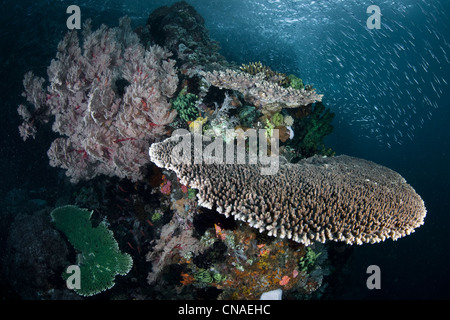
383 84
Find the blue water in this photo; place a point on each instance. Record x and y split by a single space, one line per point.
388 87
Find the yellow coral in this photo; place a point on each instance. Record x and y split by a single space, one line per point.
196 125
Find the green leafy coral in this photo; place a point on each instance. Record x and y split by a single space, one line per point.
295 82
203 275
307 262
277 119
99 256
186 105
156 216
269 128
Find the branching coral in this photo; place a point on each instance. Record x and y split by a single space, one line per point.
255 68
176 240
307 262
109 98
220 121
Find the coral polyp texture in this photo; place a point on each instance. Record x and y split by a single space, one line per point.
109 97
257 90
99 256
339 198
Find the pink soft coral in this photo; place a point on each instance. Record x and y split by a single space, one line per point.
109 98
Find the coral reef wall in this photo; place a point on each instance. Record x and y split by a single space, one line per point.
203 231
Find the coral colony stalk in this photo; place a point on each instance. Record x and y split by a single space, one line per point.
109 97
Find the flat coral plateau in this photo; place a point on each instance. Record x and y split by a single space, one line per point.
339 198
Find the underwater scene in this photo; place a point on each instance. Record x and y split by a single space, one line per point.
224 150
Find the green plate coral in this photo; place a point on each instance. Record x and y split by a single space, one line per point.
99 256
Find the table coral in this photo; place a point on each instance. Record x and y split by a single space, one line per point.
269 96
317 199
